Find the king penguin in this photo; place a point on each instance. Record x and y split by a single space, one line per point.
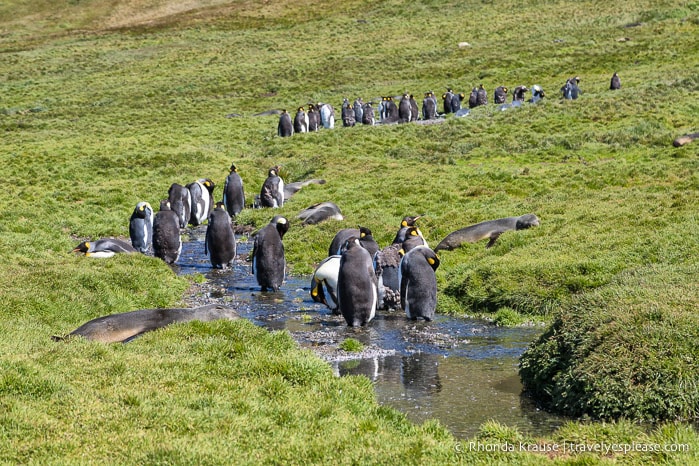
233 193
272 192
368 117
268 260
358 108
615 83
141 227
356 285
180 202
167 243
313 117
482 95
429 106
219 243
105 247
446 100
325 280
202 195
285 128
500 95
300 121
418 283
405 109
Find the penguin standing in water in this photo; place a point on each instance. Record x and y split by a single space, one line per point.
386 263
268 261
357 292
429 106
219 243
233 193
180 202
500 95
313 118
446 100
301 121
202 195
285 128
418 283
325 279
141 227
105 247
272 192
358 108
615 83
368 117
167 243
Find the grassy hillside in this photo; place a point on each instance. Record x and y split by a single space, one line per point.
105 104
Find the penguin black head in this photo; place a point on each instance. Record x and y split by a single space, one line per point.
165 205
409 221
233 168
220 205
481 87
281 224
82 247
364 231
208 184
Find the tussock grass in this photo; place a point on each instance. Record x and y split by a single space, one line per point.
106 105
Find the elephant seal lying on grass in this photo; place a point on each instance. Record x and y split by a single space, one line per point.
492 229
686 139
129 325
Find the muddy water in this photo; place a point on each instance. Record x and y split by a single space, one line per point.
460 371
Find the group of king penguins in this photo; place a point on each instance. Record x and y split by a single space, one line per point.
357 278
193 204
322 115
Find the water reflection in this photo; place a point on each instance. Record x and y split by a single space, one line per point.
460 371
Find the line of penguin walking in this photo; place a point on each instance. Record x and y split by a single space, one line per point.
314 116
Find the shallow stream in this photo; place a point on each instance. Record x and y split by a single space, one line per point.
458 370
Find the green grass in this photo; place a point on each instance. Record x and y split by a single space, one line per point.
106 105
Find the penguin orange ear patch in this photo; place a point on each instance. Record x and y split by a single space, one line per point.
430 261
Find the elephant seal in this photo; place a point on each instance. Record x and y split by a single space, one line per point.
686 139
126 326
491 229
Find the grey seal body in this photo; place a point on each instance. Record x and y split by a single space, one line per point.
126 326
167 243
292 188
418 283
320 212
141 227
356 285
268 260
491 230
219 243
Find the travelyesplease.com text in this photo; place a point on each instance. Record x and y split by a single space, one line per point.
572 448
